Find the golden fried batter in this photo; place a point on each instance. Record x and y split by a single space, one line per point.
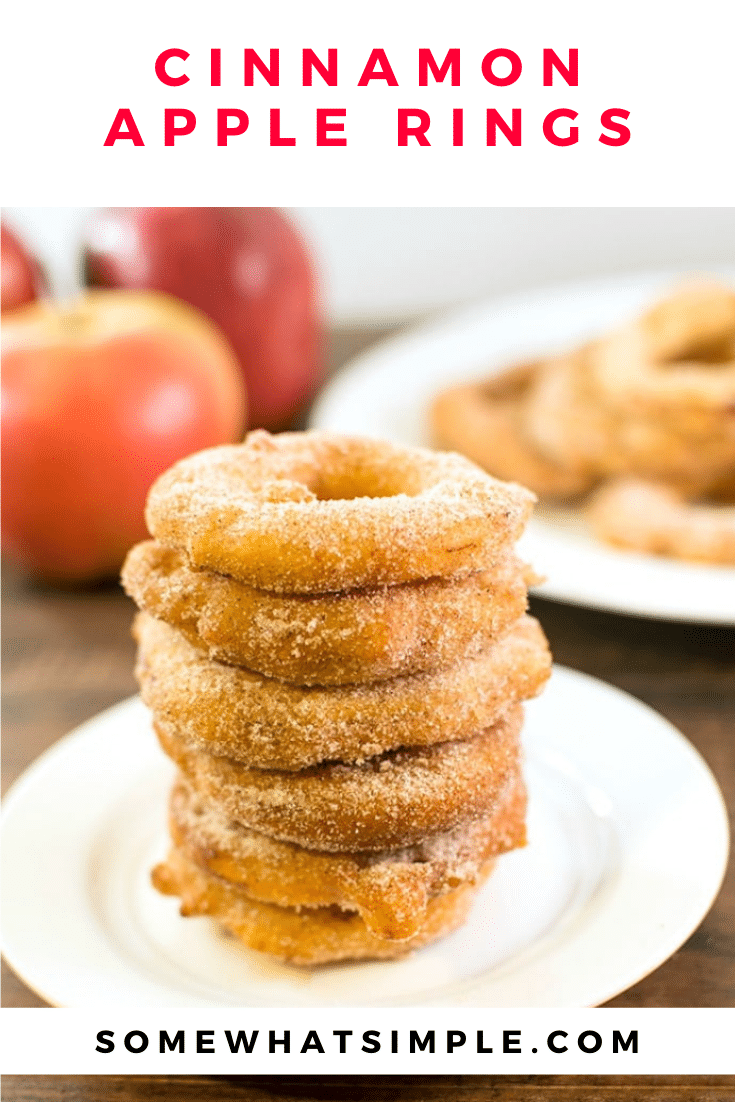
308 935
270 725
390 889
395 799
334 647
362 636
312 513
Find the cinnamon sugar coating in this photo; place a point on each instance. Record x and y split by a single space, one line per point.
390 890
360 636
334 647
392 800
271 725
316 513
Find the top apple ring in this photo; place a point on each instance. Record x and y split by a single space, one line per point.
317 513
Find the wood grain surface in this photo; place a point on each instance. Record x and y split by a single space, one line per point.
68 655
362 1088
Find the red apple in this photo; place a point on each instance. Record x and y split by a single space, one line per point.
246 267
98 398
21 277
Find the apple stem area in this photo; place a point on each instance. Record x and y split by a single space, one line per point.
64 277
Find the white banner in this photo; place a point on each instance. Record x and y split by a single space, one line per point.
412 103
381 1041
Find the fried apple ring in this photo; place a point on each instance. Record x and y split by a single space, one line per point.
390 890
486 422
565 419
266 724
313 513
308 936
331 639
671 379
394 799
666 355
649 517
655 399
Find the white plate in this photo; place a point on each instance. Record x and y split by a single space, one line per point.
387 392
628 845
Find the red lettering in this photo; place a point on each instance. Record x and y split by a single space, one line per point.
457 126
549 133
608 121
170 130
426 62
224 130
161 73
116 132
254 61
372 72
309 62
570 72
215 68
496 122
515 67
276 138
418 131
324 127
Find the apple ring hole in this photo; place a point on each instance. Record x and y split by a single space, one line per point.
359 472
510 385
351 486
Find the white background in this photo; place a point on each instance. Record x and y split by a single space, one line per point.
385 264
684 1042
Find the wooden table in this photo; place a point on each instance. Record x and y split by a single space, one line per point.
360 1088
68 655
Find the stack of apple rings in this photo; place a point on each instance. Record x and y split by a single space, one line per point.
644 415
334 647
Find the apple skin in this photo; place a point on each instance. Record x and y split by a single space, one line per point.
246 268
98 399
21 277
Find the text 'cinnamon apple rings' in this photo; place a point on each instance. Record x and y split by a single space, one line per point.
334 647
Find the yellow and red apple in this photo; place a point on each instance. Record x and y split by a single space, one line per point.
98 398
